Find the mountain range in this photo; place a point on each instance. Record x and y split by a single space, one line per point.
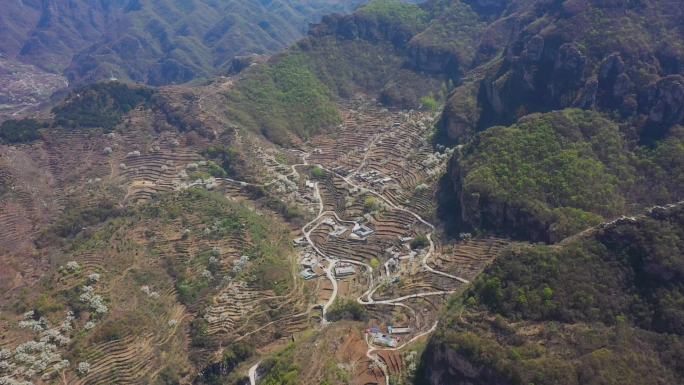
467 192
47 45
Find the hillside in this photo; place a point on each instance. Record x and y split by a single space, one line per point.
156 42
469 57
604 307
125 293
124 246
467 192
551 175
385 51
213 247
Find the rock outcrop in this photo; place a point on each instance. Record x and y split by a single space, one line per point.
563 57
443 365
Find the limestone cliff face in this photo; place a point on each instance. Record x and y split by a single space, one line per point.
589 54
481 211
443 365
433 60
545 76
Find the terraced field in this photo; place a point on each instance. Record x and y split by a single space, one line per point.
178 263
376 176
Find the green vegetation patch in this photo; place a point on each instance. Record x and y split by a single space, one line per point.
318 173
568 169
633 271
76 218
420 242
573 158
604 308
281 369
347 309
552 175
222 372
396 12
226 161
19 131
283 97
100 105
264 243
501 352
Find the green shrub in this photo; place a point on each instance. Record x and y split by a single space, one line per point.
627 271
189 290
228 161
318 173
100 105
198 333
429 103
419 242
399 13
19 131
281 370
347 309
371 204
218 372
75 218
281 98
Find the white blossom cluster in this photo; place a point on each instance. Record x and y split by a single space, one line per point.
240 264
83 368
11 381
285 185
35 325
72 266
206 274
61 365
150 293
29 359
94 278
95 301
172 323
33 358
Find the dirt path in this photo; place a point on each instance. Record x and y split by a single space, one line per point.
252 373
366 298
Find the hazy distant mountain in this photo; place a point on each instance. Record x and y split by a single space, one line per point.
152 41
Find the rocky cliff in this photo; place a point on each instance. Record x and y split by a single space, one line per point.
621 57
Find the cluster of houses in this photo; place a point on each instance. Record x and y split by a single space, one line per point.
362 231
374 178
309 263
344 269
306 198
389 339
358 231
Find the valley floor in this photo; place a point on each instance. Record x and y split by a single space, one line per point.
369 271
369 241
